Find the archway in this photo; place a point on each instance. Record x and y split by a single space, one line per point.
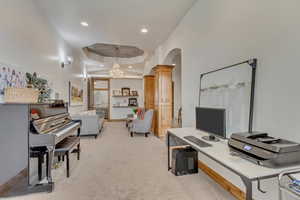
174 58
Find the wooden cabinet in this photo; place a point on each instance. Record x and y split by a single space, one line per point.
149 93
163 99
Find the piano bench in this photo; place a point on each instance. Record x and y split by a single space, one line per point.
69 145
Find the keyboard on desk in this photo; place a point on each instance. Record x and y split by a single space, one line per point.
197 141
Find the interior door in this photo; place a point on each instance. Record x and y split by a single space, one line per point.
100 96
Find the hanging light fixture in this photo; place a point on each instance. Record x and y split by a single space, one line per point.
116 71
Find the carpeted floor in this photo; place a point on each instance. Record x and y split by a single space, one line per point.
118 167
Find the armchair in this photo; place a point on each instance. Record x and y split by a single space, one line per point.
142 125
92 123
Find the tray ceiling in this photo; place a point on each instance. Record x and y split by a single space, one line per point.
111 50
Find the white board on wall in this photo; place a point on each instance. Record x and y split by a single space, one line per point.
229 89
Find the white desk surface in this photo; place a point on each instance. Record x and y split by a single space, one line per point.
220 152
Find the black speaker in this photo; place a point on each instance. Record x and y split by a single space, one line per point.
184 161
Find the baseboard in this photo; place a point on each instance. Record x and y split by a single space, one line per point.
116 120
89 135
6 187
235 191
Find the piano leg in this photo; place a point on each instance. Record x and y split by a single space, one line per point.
68 164
50 161
40 167
78 151
47 164
43 187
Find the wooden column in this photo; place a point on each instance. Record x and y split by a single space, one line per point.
149 93
163 98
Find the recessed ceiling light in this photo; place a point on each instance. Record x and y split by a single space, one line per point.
130 67
144 30
84 24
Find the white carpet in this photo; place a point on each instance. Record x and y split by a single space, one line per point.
118 167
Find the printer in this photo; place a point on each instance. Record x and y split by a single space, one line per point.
265 150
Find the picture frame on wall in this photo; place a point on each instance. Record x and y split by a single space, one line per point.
10 78
117 93
134 93
75 95
125 91
132 102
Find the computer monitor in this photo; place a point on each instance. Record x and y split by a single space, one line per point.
212 121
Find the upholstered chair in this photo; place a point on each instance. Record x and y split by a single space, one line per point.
142 126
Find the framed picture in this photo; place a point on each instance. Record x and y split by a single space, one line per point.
134 93
126 91
132 102
10 78
75 95
117 93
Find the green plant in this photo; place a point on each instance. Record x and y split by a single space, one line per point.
134 110
41 84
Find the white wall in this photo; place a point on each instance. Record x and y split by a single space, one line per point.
13 140
219 33
117 84
29 42
176 76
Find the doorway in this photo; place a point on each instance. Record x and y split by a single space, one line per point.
99 93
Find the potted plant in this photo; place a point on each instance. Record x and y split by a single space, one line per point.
41 85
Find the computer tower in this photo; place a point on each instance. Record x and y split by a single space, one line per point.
184 161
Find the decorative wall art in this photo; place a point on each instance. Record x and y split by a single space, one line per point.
75 95
134 93
132 102
10 78
117 93
126 91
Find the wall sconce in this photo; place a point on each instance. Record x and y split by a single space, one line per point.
67 62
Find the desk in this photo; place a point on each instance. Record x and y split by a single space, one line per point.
220 153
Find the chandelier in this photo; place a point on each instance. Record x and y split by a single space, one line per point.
116 71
